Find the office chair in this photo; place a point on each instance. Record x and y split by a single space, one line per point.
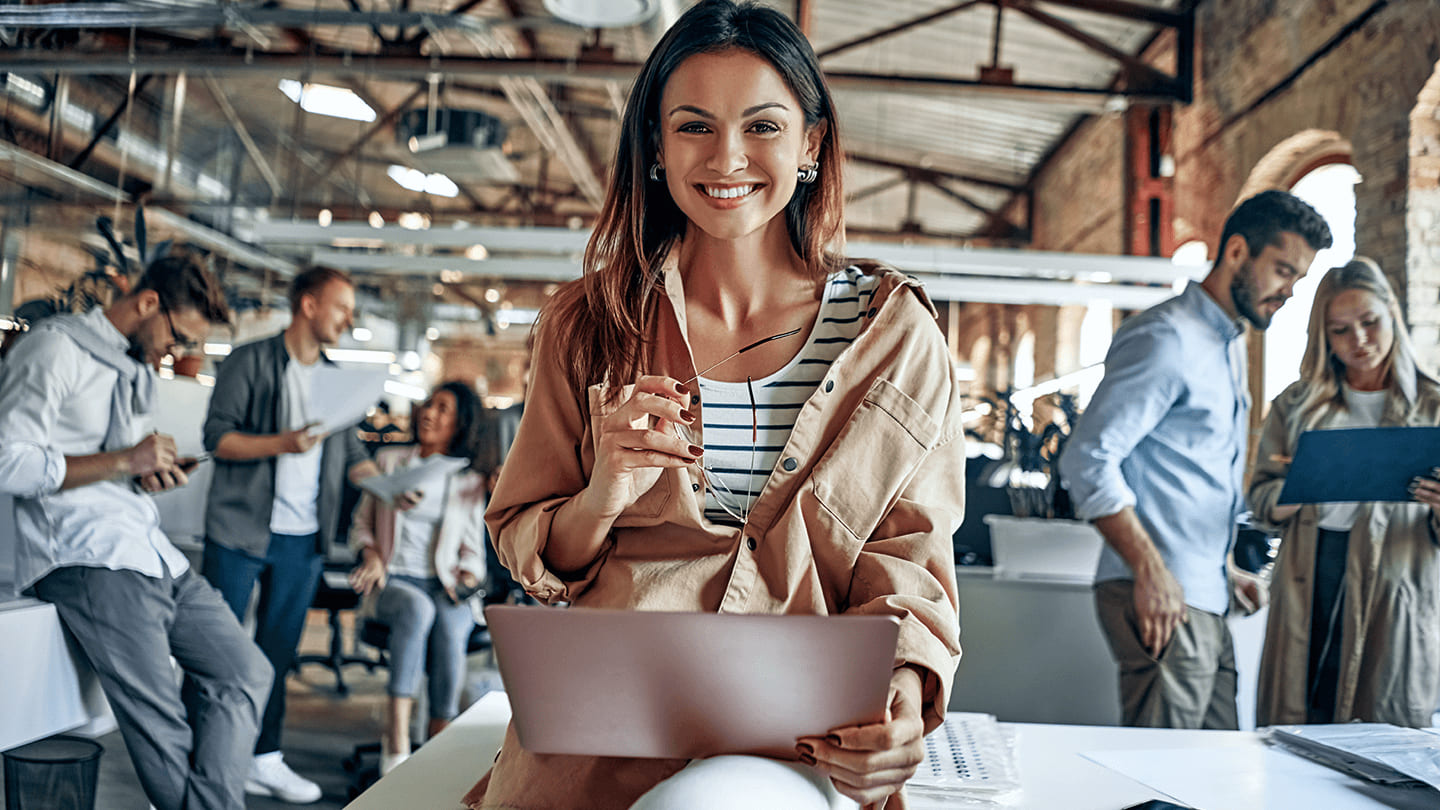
334 596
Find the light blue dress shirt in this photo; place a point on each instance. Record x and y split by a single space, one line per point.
55 402
1165 434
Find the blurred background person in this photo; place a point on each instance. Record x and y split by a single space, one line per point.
419 568
1354 627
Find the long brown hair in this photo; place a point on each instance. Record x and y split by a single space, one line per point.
603 321
1322 372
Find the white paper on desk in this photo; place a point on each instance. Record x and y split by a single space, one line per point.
426 475
340 397
1254 777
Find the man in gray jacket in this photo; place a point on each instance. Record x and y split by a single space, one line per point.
75 454
275 498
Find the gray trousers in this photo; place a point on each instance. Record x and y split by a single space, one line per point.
129 625
1191 684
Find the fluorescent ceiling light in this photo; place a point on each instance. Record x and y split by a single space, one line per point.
603 13
516 315
406 390
361 334
360 356
217 349
416 180
322 99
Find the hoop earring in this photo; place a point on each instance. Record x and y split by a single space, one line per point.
808 174
655 172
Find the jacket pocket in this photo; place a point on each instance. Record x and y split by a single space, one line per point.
873 458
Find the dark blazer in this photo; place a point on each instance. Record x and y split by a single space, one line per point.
247 398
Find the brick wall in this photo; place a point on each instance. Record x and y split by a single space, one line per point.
1268 70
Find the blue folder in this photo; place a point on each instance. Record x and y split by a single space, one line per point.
1360 464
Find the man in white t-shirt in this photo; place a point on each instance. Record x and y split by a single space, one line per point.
275 498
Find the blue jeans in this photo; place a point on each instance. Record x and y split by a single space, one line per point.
288 574
420 615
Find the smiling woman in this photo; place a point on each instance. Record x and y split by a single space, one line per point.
726 416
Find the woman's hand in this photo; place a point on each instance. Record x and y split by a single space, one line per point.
369 574
1426 489
629 459
871 763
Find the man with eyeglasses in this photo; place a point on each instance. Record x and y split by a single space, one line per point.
275 498
76 455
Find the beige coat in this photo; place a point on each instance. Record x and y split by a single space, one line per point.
1390 641
461 544
860 523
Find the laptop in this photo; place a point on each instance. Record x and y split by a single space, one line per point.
630 683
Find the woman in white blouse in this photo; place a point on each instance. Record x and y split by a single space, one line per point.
420 566
1354 627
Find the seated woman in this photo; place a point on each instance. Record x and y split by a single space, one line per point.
420 566
726 416
1354 628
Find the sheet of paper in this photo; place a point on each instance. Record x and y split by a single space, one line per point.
340 397
1254 777
426 476
1360 464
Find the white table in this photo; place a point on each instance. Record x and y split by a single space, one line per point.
1053 770
44 687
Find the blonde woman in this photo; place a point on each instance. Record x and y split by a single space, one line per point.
1354 628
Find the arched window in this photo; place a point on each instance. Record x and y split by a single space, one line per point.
1331 190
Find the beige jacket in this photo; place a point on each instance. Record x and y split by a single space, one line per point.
1390 653
862 524
462 526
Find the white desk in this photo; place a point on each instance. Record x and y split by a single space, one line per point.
1053 771
44 687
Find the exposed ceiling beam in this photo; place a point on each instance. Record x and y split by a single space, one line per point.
1130 11
1136 70
558 70
380 125
875 36
874 160
234 15
877 188
223 101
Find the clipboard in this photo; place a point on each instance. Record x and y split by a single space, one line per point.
1360 464
637 683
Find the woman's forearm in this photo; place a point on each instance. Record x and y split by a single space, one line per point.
577 535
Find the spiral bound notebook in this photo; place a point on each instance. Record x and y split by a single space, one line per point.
969 763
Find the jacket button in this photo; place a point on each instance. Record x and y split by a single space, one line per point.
872 312
829 386
694 487
750 543
790 464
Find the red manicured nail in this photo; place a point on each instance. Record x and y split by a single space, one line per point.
807 759
687 416
679 389
696 451
834 739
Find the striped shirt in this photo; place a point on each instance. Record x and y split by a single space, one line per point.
743 443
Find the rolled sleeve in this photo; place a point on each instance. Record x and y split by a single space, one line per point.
34 380
1141 384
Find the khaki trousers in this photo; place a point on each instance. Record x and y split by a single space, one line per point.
1191 684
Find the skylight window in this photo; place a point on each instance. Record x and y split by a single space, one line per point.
322 99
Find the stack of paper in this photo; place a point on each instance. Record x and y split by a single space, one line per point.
1377 752
969 763
426 476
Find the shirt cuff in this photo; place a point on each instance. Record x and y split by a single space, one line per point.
1103 501
30 470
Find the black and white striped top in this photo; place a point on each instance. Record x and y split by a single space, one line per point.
743 445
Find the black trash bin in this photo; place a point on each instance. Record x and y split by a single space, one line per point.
58 773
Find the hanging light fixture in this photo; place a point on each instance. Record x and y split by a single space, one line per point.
603 13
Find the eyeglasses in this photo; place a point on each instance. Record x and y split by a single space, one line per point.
185 344
737 506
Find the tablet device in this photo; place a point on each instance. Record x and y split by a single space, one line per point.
1360 464
630 683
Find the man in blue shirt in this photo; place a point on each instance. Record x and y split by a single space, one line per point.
1158 459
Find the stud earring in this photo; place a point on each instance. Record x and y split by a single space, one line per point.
655 172
808 174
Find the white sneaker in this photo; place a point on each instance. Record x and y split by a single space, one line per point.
270 776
